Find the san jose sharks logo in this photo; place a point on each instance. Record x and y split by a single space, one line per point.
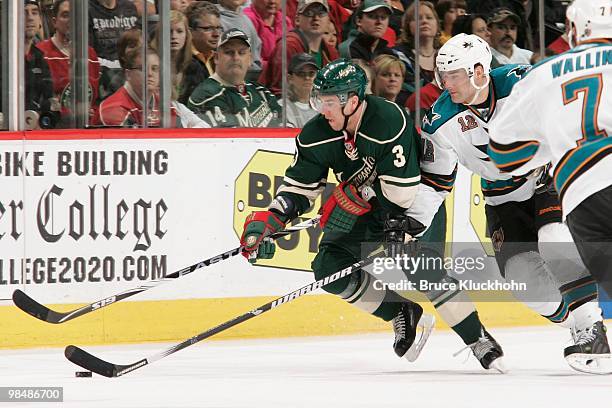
519 71
430 117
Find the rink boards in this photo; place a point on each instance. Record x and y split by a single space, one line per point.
88 214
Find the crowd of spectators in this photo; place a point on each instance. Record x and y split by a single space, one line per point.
227 55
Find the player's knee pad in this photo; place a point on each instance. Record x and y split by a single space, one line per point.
557 248
362 292
539 292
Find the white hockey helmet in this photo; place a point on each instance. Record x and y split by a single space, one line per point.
591 18
464 51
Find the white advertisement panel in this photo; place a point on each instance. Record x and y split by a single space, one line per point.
82 219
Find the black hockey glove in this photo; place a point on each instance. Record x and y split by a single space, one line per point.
400 231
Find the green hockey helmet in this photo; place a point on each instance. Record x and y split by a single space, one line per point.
341 78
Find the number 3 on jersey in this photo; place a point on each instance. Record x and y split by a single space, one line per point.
591 86
400 160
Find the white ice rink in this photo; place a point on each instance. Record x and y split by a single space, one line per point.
351 371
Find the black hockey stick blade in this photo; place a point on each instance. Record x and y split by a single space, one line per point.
42 312
92 363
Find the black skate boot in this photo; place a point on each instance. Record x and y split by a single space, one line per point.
488 352
409 324
590 352
405 325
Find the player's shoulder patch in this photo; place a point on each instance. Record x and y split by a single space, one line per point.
506 76
443 110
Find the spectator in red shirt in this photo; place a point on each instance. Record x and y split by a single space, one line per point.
56 51
125 107
306 37
267 18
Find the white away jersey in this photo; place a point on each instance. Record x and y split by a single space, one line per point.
455 133
561 113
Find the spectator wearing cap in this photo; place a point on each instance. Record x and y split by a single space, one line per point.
307 36
503 25
233 17
366 42
38 83
226 99
267 18
205 25
449 10
302 72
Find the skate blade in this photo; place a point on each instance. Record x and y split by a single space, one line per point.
590 363
498 364
426 324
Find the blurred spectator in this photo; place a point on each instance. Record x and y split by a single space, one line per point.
367 68
388 77
130 40
449 10
233 17
108 19
310 24
429 43
180 48
39 97
180 5
503 24
561 44
267 18
365 42
302 72
330 36
125 107
486 7
140 5
475 24
205 24
395 20
225 99
56 51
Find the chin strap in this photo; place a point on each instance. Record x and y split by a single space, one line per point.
479 89
347 117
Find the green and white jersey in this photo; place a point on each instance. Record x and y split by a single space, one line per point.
383 156
225 105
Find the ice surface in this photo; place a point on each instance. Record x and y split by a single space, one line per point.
338 371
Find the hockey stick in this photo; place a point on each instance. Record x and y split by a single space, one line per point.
92 363
41 312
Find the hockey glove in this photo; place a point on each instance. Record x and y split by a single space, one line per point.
400 231
257 227
342 209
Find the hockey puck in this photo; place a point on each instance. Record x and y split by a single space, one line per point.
83 374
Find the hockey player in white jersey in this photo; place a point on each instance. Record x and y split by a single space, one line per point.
456 130
562 113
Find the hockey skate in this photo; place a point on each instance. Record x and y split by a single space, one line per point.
409 324
487 351
590 352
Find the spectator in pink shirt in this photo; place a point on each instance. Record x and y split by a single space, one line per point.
267 18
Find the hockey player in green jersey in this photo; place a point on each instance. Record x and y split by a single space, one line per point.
372 147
